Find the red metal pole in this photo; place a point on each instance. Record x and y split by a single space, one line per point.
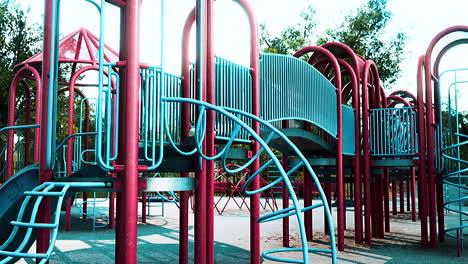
380 201
357 152
387 200
285 195
308 215
130 115
27 132
45 170
413 194
408 195
11 133
422 177
402 196
120 204
339 137
366 153
143 207
85 194
255 147
328 195
394 198
71 113
201 173
374 211
210 131
440 211
185 132
432 206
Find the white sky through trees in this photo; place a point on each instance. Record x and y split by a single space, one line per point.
420 20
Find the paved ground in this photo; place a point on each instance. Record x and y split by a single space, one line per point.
158 241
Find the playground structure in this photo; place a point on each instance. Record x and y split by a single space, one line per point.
328 115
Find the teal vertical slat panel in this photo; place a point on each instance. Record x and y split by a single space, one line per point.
393 131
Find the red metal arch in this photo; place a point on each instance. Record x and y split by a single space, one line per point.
20 75
339 152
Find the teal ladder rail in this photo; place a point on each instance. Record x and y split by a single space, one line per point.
274 174
237 117
54 190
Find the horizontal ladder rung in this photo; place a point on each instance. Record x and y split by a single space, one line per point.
34 225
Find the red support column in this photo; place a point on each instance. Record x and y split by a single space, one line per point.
120 205
285 195
387 200
408 195
327 189
394 198
210 131
431 174
422 176
71 114
201 173
143 207
130 129
255 146
440 211
11 133
381 212
308 215
111 209
185 132
374 210
45 170
366 152
402 196
413 194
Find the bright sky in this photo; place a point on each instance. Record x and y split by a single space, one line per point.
420 20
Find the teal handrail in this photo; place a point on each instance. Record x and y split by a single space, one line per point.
72 136
18 127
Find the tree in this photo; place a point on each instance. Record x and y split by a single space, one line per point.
19 40
361 30
291 38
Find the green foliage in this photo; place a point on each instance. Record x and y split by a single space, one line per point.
361 30
291 38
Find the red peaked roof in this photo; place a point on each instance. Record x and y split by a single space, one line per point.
81 46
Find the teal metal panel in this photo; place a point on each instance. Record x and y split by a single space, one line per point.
349 146
233 85
393 132
290 88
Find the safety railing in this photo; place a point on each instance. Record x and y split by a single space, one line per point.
153 132
393 132
61 161
16 146
107 118
290 88
233 84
